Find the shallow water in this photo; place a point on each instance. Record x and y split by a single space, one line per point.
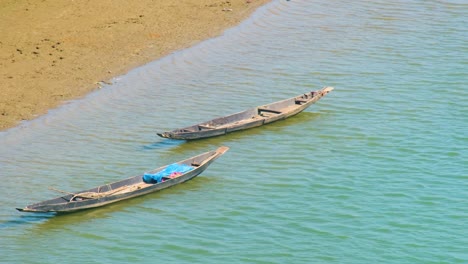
375 172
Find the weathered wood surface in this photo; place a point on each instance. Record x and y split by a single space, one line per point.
249 118
124 189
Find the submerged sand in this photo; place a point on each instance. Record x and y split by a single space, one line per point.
56 50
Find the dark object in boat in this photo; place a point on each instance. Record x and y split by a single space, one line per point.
250 118
124 189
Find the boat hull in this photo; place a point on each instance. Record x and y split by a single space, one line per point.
128 188
249 118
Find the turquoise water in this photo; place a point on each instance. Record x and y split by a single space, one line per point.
375 172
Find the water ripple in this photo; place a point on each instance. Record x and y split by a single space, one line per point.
374 172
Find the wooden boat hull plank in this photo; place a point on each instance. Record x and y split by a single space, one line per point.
249 118
135 184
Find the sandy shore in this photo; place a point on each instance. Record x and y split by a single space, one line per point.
56 50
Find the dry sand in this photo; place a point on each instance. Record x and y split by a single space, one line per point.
56 50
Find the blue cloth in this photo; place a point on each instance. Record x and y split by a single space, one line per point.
157 177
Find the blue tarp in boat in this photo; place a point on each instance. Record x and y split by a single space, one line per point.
170 169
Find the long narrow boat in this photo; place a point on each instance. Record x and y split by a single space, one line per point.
128 188
249 118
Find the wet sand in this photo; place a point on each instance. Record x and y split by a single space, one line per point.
52 51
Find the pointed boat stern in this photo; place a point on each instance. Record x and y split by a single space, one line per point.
164 135
222 150
30 210
327 89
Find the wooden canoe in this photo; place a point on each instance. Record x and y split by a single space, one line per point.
124 189
249 118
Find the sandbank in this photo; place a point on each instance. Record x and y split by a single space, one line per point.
52 51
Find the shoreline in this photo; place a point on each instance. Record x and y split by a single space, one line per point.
55 51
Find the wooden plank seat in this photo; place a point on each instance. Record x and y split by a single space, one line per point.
300 101
260 110
205 127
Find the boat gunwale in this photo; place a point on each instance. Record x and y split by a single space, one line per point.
94 202
299 104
